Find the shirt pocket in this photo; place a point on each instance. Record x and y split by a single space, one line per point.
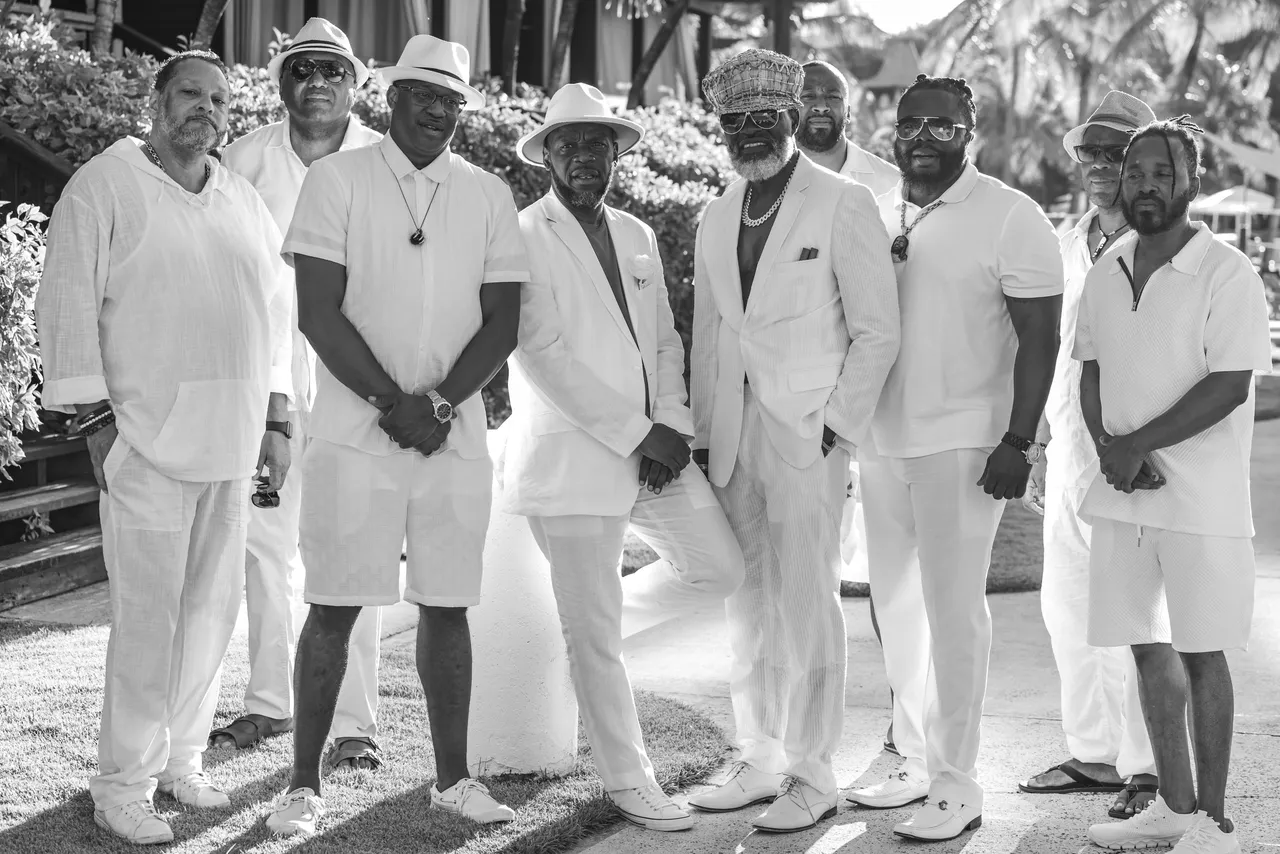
214 426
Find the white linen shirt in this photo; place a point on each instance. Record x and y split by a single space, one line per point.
952 385
266 157
1203 312
170 305
416 307
878 174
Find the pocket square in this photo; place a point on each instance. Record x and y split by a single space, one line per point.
808 254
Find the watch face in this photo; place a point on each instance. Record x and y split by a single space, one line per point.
1035 454
444 411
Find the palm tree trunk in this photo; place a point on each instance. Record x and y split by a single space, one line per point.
210 15
511 45
560 49
104 21
1193 59
672 19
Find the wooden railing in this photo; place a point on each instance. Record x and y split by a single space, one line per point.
29 172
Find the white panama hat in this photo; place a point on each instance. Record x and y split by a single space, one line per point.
1118 111
578 103
321 36
437 61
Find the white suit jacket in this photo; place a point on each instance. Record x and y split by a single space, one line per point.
816 338
578 378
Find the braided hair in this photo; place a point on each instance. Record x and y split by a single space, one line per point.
955 85
1184 130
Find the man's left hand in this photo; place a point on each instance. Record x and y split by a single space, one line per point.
654 475
1120 461
275 455
1006 473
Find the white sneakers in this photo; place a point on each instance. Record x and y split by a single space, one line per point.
746 786
296 813
940 820
135 822
1155 827
799 806
899 790
469 798
1205 836
196 790
649 807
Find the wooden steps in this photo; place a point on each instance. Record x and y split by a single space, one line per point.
21 503
49 566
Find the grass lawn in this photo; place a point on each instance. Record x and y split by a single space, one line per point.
49 709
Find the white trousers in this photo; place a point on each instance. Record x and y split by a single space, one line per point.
1101 712
273 568
174 552
786 625
930 529
699 564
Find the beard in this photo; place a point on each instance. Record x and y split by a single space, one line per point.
1160 220
822 139
190 132
759 169
950 164
581 199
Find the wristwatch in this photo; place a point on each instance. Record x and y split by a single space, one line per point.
281 427
1032 451
444 409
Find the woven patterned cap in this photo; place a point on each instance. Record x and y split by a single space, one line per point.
755 80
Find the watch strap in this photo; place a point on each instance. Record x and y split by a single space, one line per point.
281 427
1017 441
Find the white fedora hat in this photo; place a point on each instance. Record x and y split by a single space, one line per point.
434 60
319 35
1118 111
578 103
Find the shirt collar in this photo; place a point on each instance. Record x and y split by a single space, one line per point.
130 148
956 193
1082 227
285 140
1189 257
855 159
437 171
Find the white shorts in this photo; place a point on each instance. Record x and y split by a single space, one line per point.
359 510
1149 585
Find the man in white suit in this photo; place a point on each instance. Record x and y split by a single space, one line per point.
601 442
795 329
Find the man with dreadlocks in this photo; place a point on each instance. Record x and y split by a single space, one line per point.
980 285
1172 325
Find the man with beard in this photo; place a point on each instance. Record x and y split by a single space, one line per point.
164 325
1101 712
408 262
601 441
318 76
795 328
825 113
980 281
1173 323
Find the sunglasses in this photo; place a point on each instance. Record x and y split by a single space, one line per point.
264 497
1113 154
764 119
942 129
425 98
330 69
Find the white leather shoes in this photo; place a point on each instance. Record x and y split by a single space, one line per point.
471 798
650 808
746 786
296 813
899 790
196 790
799 807
940 820
135 822
1155 827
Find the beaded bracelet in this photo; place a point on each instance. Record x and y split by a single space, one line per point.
96 420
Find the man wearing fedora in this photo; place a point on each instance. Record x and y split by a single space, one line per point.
318 76
795 329
1101 712
602 436
408 262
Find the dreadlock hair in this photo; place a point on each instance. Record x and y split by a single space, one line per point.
169 67
1184 130
955 85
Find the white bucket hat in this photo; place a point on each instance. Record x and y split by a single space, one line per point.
1118 111
578 103
437 61
319 35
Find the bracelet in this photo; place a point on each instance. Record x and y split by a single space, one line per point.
96 420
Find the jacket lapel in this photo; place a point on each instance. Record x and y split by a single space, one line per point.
720 237
786 218
567 229
627 247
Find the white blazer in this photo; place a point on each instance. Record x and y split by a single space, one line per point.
578 376
817 337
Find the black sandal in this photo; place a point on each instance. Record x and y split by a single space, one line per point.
1131 791
1080 782
352 750
248 730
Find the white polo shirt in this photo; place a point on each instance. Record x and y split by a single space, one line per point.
416 307
870 171
952 385
1205 311
266 157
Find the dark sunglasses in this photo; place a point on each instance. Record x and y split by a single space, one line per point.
764 119
330 69
264 497
941 128
1113 154
425 98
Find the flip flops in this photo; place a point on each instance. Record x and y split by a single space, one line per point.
1131 791
1080 782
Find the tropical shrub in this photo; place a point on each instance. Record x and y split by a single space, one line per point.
21 259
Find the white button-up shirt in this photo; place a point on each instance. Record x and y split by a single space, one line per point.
169 304
417 307
1205 311
952 386
870 171
266 157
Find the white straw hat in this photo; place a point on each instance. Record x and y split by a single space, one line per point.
578 103
321 36
1118 111
434 60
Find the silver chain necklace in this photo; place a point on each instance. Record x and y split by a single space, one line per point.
154 156
898 249
768 215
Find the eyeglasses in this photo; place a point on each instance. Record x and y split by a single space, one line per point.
764 119
1113 154
425 98
942 129
332 70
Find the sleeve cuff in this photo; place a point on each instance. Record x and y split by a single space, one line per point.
632 435
1022 292
292 248
281 381
63 395
497 276
680 420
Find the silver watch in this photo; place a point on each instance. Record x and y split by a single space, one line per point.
443 408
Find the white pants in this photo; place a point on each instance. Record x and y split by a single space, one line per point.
174 552
786 625
1101 713
930 529
273 568
699 564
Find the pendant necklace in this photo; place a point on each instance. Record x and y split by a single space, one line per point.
898 249
1106 238
417 238
768 215
149 150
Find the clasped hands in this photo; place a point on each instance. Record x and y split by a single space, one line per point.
1123 462
410 421
663 455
